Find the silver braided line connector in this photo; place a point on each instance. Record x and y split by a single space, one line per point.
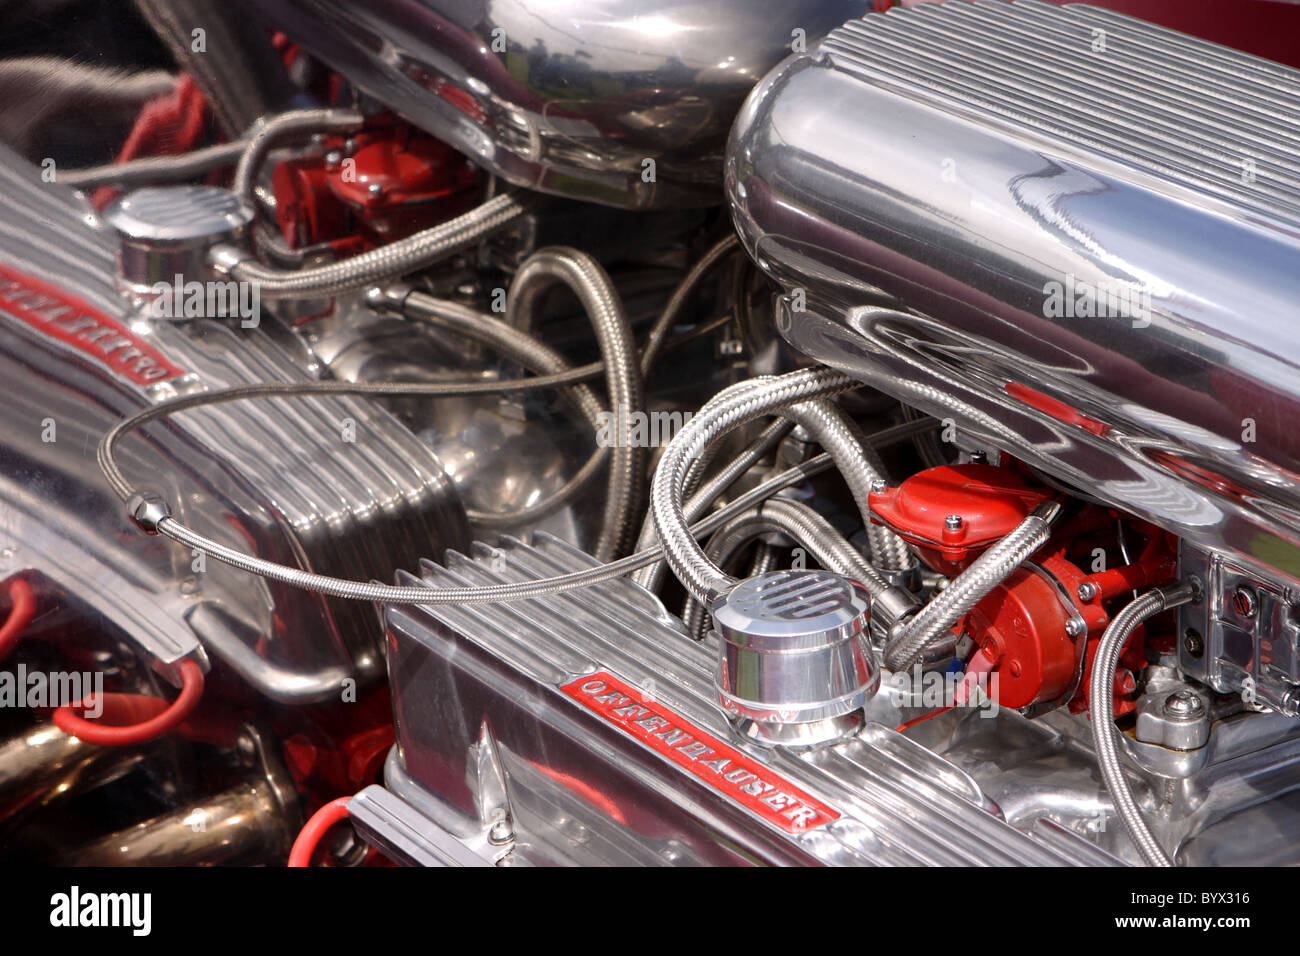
928 625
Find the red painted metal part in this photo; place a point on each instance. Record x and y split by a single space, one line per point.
991 501
1021 625
377 186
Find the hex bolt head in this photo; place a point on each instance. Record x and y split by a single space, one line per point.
146 510
952 522
877 486
1087 591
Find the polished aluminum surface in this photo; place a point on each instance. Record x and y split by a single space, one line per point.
567 96
486 736
1237 647
940 188
166 231
1228 802
498 457
337 486
795 661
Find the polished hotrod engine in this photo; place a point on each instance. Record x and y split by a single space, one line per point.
652 433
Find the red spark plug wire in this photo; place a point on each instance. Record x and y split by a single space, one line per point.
304 847
160 718
20 615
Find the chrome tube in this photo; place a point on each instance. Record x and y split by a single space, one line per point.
243 825
43 763
622 102
378 265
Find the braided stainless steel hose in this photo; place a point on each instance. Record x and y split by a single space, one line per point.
151 514
830 427
156 170
806 527
267 132
727 410
699 502
937 617
106 454
378 265
600 300
1102 703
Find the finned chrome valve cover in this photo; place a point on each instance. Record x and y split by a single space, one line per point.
584 728
1071 231
334 485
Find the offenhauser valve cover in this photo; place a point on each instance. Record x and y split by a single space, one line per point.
584 728
76 356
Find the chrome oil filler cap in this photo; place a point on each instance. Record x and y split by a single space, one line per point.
796 663
166 231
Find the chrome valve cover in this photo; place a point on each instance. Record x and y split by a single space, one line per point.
584 728
334 485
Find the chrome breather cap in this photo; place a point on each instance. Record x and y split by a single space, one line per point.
166 231
796 663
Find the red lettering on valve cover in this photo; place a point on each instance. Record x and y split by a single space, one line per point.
725 769
62 316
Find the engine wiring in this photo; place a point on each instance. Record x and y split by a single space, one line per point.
157 724
21 612
321 822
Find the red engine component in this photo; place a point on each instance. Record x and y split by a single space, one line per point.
988 502
380 185
1034 628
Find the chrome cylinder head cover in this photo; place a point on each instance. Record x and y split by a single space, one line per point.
796 666
166 231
